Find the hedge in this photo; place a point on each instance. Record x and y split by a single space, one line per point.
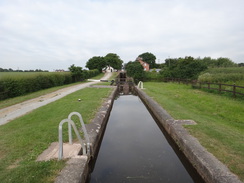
16 84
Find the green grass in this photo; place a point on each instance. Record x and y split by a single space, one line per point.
23 139
113 77
99 76
220 120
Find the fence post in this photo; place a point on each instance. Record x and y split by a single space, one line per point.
208 85
200 85
234 90
220 88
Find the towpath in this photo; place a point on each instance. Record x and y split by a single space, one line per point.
9 113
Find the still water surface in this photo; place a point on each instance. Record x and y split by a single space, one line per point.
134 149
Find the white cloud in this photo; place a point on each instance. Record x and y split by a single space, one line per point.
55 34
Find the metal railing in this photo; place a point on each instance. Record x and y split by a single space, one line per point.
84 143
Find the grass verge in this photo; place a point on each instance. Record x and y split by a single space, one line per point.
220 120
23 139
113 77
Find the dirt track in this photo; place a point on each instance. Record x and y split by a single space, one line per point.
9 113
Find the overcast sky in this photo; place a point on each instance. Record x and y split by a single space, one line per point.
53 34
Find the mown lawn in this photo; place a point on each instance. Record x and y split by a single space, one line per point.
220 120
23 139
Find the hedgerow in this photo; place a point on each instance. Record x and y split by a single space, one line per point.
20 84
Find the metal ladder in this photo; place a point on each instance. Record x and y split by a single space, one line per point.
84 143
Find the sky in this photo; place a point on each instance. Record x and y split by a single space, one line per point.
54 34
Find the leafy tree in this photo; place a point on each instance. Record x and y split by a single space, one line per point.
241 65
225 62
76 72
96 62
135 70
149 58
113 60
171 62
188 68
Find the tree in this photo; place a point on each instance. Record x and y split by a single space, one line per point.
135 70
187 68
96 62
225 62
241 65
113 60
76 72
149 58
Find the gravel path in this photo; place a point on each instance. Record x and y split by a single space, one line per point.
9 113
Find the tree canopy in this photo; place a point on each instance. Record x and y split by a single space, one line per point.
76 72
219 62
135 70
188 68
96 62
149 58
113 60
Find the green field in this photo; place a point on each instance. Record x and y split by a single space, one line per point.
23 139
22 75
220 120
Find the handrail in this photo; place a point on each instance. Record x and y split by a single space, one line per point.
83 129
71 123
140 84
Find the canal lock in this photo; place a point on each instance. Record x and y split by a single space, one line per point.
184 171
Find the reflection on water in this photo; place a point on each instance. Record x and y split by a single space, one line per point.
134 149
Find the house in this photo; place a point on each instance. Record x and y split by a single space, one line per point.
144 64
108 69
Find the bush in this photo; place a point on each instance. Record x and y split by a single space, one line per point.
152 76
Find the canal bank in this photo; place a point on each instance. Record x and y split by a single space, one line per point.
78 168
207 165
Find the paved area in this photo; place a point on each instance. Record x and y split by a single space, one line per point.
9 113
69 151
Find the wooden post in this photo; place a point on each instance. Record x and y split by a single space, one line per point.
220 88
234 90
208 85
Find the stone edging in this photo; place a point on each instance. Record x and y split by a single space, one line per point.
77 169
208 166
